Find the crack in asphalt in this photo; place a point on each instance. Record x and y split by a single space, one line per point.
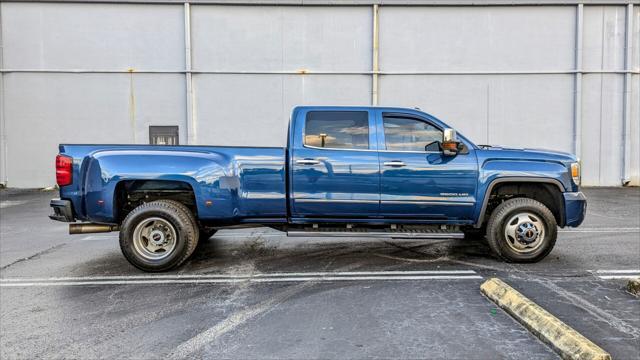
194 344
30 257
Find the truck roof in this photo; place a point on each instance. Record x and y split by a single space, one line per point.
358 107
415 111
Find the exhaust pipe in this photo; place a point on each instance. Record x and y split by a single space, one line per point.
90 228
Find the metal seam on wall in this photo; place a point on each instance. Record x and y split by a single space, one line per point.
3 128
321 72
132 108
626 98
375 56
190 104
349 2
577 96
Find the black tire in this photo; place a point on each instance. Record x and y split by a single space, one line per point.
194 222
168 212
503 245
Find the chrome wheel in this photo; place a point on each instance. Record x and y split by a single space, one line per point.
154 238
524 232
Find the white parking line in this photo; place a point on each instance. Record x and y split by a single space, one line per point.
602 230
243 276
99 237
235 278
628 277
227 281
9 203
626 271
618 274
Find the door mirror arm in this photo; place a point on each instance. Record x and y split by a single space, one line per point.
434 146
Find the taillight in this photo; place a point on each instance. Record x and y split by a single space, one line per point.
64 170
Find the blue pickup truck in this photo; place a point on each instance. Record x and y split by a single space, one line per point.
346 171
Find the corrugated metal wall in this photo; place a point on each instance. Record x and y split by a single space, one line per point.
511 75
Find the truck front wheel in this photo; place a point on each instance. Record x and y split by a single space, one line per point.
158 235
522 230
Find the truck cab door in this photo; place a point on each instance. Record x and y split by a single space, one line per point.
334 164
420 184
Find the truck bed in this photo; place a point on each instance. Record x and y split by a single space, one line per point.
229 183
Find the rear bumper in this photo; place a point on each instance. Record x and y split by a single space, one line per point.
575 207
62 210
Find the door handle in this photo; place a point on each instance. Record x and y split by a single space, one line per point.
394 163
307 162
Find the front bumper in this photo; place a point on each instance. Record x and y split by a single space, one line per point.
62 210
575 208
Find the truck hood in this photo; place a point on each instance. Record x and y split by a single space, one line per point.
532 153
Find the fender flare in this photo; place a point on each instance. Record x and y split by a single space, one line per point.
520 179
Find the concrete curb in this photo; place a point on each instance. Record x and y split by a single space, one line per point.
563 339
633 286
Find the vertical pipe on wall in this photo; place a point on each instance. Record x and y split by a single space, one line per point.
132 107
375 55
626 125
3 127
577 98
191 122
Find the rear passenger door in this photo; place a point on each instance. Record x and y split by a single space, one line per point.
335 168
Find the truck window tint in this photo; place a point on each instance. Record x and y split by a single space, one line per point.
337 129
403 134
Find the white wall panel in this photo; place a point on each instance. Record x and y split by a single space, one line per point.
92 36
461 101
281 38
477 38
159 99
254 110
603 95
602 129
509 110
604 37
44 110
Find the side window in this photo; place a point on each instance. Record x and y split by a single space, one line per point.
402 134
337 129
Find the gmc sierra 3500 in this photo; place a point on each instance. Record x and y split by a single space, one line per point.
346 171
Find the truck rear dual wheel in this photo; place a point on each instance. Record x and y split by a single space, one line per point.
522 230
159 235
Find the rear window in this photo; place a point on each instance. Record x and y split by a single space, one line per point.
337 129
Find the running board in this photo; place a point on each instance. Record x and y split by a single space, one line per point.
423 234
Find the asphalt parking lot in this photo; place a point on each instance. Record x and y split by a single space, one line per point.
257 294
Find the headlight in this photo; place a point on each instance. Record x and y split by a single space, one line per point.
575 172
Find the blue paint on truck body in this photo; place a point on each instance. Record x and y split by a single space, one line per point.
306 184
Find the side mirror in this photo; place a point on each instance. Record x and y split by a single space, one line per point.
450 142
